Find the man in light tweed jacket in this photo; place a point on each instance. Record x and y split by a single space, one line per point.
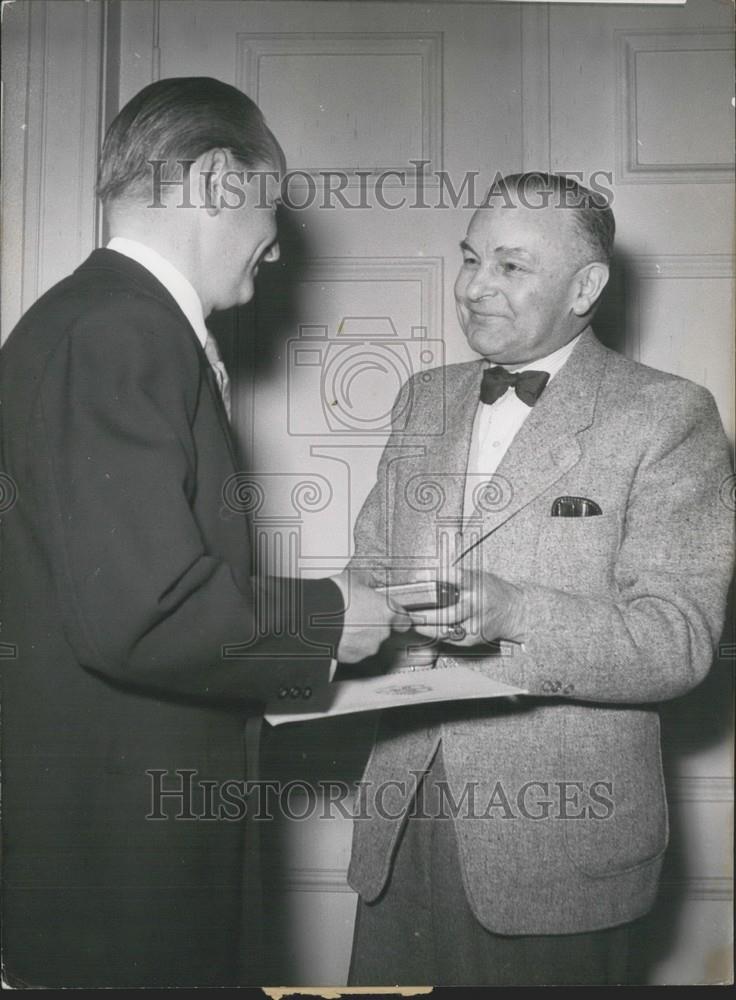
513 841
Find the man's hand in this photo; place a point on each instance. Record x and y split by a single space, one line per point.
368 618
488 609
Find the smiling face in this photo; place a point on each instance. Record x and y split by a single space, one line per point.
517 283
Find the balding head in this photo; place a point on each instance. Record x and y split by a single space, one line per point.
534 266
592 219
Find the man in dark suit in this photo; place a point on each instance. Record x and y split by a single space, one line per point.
140 642
579 496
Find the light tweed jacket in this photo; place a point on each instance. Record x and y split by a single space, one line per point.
624 611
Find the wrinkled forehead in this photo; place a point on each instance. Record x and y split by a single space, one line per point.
515 225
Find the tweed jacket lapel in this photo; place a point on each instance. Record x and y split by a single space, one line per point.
546 446
450 456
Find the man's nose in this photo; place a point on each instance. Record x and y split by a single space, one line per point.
273 253
484 282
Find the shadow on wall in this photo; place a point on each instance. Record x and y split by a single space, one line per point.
692 725
253 338
611 322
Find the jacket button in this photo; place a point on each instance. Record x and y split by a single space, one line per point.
295 692
307 692
283 692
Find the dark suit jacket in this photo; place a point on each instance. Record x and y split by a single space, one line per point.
623 611
124 575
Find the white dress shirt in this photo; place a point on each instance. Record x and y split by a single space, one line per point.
496 425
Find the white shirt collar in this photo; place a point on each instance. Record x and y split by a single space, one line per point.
551 363
179 287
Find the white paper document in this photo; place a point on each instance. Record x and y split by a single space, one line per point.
404 687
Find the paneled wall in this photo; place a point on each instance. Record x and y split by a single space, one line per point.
52 101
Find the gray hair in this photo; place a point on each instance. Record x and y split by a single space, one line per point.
589 211
179 119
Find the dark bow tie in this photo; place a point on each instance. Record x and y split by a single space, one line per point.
528 385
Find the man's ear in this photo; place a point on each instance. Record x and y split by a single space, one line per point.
210 168
588 284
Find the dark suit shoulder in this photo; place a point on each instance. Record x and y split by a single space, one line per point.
116 294
101 319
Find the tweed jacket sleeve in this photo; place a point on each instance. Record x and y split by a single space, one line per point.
655 636
625 608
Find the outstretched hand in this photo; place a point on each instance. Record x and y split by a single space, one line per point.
368 618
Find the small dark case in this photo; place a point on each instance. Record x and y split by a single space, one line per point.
575 507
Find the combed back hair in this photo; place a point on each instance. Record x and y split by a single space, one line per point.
180 119
589 210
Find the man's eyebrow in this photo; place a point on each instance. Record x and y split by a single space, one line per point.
517 251
464 245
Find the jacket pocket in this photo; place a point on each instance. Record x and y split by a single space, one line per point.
619 756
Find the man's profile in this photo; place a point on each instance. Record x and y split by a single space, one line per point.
125 574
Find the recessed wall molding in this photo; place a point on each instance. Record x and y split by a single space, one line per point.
329 880
341 134
657 125
536 114
697 788
426 271
696 265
